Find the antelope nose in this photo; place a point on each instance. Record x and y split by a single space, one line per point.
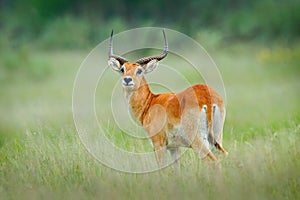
127 80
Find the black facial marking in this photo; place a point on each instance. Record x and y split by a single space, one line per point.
139 71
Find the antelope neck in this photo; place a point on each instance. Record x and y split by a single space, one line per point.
140 100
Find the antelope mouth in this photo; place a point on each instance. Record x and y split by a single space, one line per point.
130 85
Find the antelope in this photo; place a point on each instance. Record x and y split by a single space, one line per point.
193 118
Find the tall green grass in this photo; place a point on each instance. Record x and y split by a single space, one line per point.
51 163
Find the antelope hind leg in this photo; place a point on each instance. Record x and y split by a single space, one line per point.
219 147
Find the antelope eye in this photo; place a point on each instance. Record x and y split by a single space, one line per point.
122 70
139 71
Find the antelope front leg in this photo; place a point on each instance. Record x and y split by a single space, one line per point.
160 154
159 143
175 156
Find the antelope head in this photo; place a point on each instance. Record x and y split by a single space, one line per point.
133 73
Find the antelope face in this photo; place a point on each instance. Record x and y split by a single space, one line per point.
132 73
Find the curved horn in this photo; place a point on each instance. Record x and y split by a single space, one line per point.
110 51
145 60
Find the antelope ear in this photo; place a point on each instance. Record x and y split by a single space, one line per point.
150 66
114 64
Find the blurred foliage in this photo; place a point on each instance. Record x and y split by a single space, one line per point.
20 62
78 24
279 55
65 32
66 24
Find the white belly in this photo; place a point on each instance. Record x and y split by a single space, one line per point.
177 138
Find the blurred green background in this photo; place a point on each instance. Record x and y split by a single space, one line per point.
255 44
80 24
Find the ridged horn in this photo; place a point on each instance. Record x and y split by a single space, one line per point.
110 51
145 60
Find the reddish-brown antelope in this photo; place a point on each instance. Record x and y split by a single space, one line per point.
193 118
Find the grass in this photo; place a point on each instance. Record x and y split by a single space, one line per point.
41 156
53 164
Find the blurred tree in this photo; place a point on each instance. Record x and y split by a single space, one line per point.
27 20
